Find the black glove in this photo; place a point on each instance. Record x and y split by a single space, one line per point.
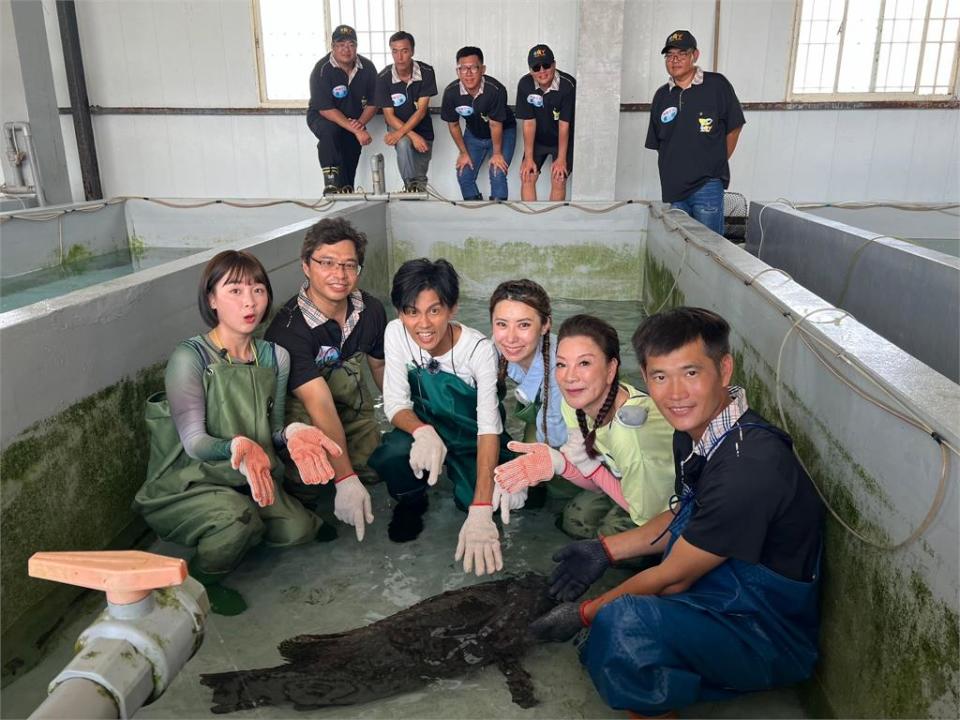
581 564
561 623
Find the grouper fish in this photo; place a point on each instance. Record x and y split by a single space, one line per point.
445 636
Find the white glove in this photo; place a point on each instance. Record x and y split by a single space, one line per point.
575 450
479 543
428 453
507 501
352 504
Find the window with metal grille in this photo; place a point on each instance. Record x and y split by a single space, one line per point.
905 48
291 35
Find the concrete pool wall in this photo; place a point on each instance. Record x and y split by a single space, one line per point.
890 635
889 642
76 372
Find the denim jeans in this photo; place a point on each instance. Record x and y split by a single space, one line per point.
478 149
705 205
413 165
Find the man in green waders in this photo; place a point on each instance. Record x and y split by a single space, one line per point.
331 329
440 393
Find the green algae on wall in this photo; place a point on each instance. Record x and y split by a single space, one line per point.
67 483
888 647
582 271
660 288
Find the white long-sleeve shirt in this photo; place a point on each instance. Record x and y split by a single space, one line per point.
473 359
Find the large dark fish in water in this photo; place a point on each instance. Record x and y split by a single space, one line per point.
444 636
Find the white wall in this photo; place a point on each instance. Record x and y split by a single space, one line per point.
158 53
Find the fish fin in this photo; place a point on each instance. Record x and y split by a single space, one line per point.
519 682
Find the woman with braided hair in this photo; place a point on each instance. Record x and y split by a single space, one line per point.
521 321
618 442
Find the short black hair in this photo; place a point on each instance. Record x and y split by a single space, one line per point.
667 331
403 35
235 265
415 276
469 50
330 231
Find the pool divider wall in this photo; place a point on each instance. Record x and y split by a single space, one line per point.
63 238
577 255
77 370
889 640
887 284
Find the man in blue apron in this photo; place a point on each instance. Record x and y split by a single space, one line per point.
733 607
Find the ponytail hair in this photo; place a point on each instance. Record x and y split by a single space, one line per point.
533 295
606 338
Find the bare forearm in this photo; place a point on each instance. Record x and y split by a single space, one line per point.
406 420
564 142
529 137
488 448
732 138
336 116
367 115
496 136
643 540
457 135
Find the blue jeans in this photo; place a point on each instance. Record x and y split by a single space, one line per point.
478 149
705 205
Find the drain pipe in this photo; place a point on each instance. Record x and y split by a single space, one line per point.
17 157
716 36
80 103
376 172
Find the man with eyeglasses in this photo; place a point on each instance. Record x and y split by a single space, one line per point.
695 122
331 329
491 128
404 90
546 102
342 87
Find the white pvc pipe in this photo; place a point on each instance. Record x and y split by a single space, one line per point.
77 698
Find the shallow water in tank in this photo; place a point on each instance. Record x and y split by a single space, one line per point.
81 271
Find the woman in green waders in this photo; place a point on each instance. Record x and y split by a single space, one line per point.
213 480
440 393
620 448
521 321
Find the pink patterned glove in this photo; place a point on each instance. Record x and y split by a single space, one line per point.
254 464
538 463
309 449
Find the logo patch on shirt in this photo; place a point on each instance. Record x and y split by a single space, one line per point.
556 114
398 99
340 92
668 115
464 110
706 124
535 99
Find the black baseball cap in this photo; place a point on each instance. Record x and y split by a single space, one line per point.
539 55
344 32
680 39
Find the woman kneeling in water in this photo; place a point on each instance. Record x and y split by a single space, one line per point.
213 479
619 444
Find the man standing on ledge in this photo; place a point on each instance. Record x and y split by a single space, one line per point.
342 87
695 121
404 90
546 102
491 127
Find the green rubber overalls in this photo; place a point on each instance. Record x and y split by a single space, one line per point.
450 405
206 504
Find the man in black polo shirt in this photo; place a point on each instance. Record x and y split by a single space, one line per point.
695 121
491 128
733 606
404 90
546 102
342 87
330 328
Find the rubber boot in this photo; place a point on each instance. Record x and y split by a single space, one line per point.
223 600
331 180
407 521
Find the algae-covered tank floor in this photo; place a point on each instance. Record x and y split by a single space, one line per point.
336 586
